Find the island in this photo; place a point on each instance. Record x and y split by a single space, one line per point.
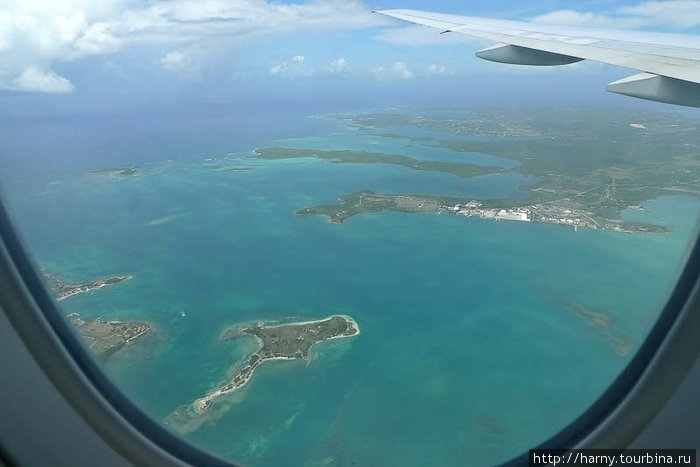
238 169
104 338
459 169
61 290
566 211
289 341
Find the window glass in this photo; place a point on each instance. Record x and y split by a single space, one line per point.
309 234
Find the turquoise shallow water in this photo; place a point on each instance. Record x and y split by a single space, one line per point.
468 353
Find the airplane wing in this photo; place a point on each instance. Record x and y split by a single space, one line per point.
670 63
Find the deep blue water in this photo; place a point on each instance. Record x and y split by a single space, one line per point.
468 354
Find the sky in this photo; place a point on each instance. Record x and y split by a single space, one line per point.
87 56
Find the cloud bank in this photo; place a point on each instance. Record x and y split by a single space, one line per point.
36 34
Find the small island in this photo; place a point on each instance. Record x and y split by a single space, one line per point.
289 341
238 169
104 338
121 171
61 290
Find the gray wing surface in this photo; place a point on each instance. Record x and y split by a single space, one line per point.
669 63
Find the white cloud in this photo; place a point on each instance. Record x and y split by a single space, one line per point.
398 70
339 65
434 69
181 62
402 71
35 80
293 67
34 34
673 14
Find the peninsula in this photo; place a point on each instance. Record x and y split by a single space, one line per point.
61 290
289 341
104 338
459 169
566 211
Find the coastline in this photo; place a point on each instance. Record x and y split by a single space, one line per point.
245 374
106 337
78 289
316 321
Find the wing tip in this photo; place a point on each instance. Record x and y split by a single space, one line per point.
391 12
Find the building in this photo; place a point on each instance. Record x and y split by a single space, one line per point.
514 215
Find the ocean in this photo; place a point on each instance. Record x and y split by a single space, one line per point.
470 350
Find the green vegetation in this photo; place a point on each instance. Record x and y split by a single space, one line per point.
564 212
106 337
102 337
296 339
365 201
286 341
594 173
459 169
593 162
62 290
487 123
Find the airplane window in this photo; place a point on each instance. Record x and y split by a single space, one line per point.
310 234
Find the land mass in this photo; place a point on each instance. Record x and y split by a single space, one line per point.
586 164
288 341
564 212
459 169
104 338
61 290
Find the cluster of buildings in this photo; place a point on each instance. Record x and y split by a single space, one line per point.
556 215
550 214
474 209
